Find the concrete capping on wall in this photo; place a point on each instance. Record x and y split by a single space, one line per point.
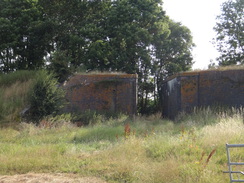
102 92
184 91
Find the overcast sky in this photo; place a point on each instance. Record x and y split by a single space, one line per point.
200 17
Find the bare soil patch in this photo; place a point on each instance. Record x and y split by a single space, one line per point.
48 178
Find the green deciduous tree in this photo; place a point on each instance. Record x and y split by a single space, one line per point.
79 31
171 54
59 65
230 33
24 35
131 28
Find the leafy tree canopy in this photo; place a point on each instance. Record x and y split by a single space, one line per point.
25 35
230 33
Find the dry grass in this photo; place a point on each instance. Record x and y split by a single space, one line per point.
17 89
154 150
101 73
228 130
230 67
221 68
13 100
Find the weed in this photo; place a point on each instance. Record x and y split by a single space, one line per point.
127 130
209 156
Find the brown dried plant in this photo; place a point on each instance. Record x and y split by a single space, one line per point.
127 130
209 156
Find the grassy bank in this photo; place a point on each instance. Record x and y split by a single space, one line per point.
14 91
29 96
144 150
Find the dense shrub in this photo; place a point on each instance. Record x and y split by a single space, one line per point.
46 97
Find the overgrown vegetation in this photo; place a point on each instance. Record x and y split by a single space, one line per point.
14 93
113 35
29 94
90 117
144 150
113 147
46 97
37 96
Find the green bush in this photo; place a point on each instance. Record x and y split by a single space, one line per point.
46 97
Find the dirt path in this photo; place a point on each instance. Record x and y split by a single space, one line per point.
48 178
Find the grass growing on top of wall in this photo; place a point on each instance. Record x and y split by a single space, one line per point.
121 150
221 68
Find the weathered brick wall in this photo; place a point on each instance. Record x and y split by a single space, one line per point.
102 92
204 88
222 87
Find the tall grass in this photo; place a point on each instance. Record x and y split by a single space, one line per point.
20 76
35 91
14 89
152 150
